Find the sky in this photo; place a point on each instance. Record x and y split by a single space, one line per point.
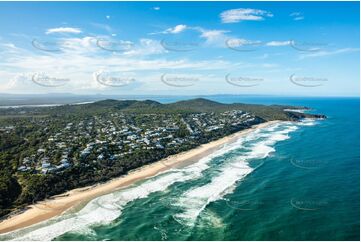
180 48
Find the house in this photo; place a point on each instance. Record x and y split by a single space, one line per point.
40 151
146 141
45 165
62 166
23 168
85 152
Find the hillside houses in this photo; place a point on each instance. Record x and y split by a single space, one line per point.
100 138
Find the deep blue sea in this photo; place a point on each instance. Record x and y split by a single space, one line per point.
288 181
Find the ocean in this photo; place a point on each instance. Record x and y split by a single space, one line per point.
287 181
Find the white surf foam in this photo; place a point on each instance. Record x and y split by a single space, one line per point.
307 122
195 201
103 209
107 208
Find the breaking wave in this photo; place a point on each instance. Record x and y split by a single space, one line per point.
107 208
259 145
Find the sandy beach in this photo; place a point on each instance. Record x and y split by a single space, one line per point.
58 204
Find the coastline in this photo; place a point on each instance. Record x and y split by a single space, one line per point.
58 204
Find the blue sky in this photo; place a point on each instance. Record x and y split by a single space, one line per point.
273 48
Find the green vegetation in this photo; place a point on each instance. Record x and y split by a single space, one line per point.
49 150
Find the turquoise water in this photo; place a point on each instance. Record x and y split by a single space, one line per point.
284 182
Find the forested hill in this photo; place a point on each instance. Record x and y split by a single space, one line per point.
266 112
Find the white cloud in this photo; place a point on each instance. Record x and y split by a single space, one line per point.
82 57
107 17
9 45
244 14
278 43
14 80
9 48
329 53
156 8
237 42
174 30
78 45
64 30
297 16
294 14
217 37
177 29
146 47
214 36
210 34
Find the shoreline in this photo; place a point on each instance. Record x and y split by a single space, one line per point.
58 204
